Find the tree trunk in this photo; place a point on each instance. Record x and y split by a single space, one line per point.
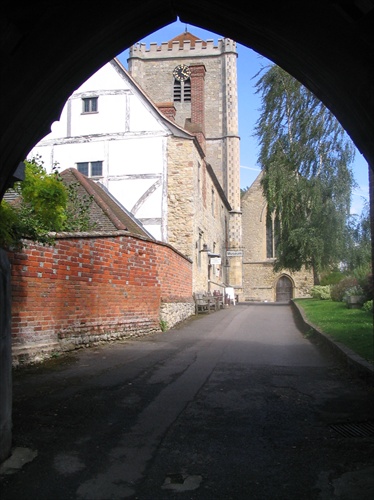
316 276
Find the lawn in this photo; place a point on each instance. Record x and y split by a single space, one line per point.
351 327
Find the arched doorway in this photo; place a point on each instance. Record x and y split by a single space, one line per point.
284 289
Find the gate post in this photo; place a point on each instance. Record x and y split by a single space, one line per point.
5 359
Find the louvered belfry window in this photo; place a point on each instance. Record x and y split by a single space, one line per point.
182 91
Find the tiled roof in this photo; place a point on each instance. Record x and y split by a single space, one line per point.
106 212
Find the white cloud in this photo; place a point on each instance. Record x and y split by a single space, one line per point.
251 168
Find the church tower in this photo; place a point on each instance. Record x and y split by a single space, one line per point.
198 81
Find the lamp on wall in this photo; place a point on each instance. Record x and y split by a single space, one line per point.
205 248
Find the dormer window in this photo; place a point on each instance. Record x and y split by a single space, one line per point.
89 105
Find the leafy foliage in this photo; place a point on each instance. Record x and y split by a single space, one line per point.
338 291
305 156
44 197
10 226
163 325
368 306
44 205
77 210
321 292
332 278
358 242
354 291
366 284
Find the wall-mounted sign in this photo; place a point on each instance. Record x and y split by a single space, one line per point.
234 253
215 261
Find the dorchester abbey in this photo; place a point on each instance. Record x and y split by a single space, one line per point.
162 138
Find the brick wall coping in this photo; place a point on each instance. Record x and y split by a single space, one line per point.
112 234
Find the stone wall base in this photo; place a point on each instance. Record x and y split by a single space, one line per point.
174 312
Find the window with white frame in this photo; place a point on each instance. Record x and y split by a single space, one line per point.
90 168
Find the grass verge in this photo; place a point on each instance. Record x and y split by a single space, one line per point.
351 327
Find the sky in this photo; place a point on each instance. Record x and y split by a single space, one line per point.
248 64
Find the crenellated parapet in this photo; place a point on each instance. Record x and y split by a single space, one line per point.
179 48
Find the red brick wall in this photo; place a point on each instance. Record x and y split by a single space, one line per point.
86 289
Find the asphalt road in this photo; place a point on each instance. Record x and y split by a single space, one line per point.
232 405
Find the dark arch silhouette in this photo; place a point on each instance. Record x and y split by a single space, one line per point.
49 48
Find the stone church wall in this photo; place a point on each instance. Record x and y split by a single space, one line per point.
259 279
259 282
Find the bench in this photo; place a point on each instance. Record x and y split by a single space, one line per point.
220 299
201 303
205 302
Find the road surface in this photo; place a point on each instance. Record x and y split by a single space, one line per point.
232 405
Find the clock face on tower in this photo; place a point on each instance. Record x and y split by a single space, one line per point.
182 72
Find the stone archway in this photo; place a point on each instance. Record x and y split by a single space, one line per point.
284 289
47 52
40 69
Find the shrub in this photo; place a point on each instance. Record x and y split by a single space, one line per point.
338 290
367 286
354 290
321 292
332 278
368 306
43 204
362 272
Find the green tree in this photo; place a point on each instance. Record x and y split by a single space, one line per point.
306 159
44 205
43 197
358 250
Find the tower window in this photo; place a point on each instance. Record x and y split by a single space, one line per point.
182 91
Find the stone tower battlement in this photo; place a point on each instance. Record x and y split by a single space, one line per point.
177 48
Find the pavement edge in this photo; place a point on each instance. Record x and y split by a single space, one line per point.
355 363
